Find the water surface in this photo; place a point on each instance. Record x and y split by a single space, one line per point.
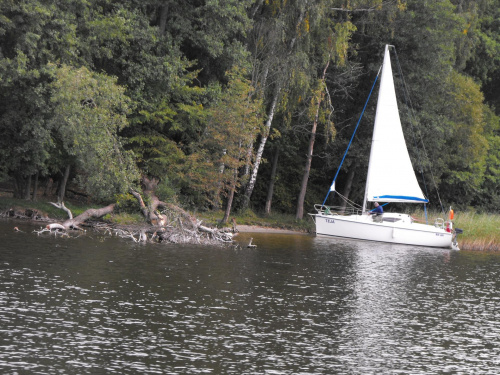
296 304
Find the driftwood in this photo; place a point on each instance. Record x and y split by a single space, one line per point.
175 232
61 206
250 244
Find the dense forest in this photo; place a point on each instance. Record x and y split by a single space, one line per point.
236 104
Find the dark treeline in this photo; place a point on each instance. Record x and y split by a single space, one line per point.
229 104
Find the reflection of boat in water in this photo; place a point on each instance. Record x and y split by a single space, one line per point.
390 178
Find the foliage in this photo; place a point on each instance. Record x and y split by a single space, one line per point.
176 91
32 33
465 119
232 125
89 111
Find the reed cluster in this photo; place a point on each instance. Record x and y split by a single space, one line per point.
481 231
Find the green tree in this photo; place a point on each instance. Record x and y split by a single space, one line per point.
489 195
332 41
233 123
167 54
32 33
90 110
280 31
484 61
467 145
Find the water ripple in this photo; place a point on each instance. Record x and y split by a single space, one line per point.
294 305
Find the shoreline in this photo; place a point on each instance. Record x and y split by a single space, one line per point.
260 229
484 226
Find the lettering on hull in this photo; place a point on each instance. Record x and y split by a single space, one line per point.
331 221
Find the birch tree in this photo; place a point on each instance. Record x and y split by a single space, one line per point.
275 40
233 123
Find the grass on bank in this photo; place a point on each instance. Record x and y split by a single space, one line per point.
481 231
42 206
275 220
248 217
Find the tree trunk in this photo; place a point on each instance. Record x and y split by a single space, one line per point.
347 189
270 188
217 196
35 188
163 18
27 189
230 198
48 187
18 191
260 150
62 185
307 168
89 214
150 213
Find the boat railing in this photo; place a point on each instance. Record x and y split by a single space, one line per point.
439 223
336 210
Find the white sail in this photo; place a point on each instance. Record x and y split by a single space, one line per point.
391 177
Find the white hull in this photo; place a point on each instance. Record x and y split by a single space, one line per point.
402 230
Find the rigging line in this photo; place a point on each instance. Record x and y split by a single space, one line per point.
352 137
412 117
348 201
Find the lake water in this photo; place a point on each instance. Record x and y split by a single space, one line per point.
296 304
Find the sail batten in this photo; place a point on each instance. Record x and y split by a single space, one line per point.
391 177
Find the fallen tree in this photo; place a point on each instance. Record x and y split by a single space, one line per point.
166 222
75 223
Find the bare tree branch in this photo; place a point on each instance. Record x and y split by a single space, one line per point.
61 206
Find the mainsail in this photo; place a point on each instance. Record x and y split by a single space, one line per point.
391 177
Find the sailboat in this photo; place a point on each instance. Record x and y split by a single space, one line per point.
390 178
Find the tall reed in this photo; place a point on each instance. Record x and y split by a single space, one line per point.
481 231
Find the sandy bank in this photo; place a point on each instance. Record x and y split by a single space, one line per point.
257 229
